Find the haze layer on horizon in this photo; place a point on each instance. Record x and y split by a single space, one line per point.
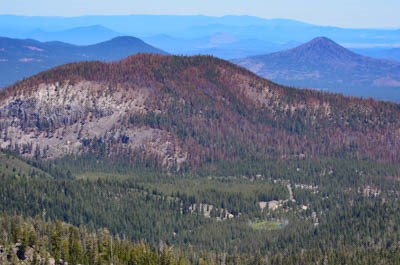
342 13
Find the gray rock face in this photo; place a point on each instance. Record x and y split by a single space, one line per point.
60 119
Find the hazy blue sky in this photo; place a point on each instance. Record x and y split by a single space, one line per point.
347 13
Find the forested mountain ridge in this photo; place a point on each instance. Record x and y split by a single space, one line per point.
183 113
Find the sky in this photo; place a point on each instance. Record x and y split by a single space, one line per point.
343 13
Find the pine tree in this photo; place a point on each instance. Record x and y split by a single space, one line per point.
76 251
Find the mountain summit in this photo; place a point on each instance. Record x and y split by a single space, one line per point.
183 113
321 48
324 64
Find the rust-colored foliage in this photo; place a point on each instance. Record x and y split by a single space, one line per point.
219 111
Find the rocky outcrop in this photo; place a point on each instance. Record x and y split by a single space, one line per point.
63 118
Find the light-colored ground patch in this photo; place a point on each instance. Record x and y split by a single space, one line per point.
268 225
262 205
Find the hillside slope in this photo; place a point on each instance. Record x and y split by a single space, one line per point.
381 53
183 113
23 58
323 64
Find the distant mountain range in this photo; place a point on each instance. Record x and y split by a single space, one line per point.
23 58
221 45
78 36
323 64
319 64
226 37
